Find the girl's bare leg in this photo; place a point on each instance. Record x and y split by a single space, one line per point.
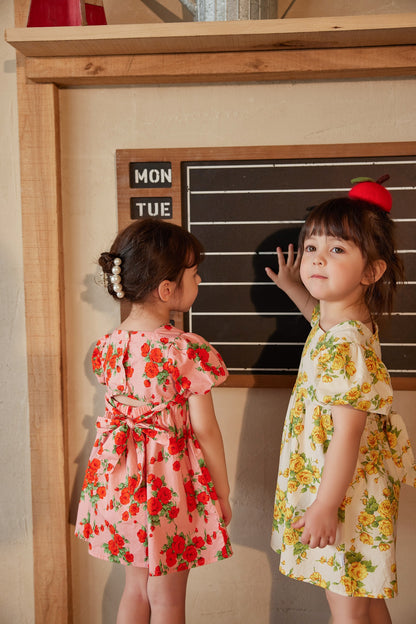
345 610
167 596
134 604
379 614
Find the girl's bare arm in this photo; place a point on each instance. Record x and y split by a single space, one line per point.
207 431
321 518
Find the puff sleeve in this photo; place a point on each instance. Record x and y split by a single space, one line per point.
199 365
350 372
107 360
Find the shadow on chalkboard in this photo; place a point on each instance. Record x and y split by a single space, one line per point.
286 328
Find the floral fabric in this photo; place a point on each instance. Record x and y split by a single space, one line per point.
343 367
148 499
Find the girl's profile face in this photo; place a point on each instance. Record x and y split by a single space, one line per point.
333 269
187 290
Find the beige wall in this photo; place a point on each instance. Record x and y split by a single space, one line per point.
246 589
96 122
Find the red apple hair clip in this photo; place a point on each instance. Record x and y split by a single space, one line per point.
372 191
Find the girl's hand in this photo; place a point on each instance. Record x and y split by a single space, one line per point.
288 279
288 274
319 524
226 510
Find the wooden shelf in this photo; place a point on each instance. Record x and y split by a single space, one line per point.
197 37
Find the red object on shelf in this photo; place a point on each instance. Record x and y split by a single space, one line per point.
66 13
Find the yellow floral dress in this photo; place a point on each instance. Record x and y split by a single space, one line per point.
343 367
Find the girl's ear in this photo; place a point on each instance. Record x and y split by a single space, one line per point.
373 273
165 290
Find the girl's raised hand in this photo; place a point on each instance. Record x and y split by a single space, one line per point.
288 279
288 274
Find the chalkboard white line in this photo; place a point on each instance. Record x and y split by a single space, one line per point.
263 165
292 190
297 222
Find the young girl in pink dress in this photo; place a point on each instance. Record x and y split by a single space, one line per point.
155 496
344 452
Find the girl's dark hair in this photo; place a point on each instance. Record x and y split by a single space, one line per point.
151 251
372 230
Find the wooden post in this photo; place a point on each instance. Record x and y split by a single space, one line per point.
45 330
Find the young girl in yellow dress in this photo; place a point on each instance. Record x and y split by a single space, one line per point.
344 452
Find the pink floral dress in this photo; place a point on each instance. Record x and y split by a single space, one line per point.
148 499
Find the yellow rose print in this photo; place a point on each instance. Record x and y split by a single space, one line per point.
357 571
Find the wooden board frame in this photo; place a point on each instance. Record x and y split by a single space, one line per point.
363 46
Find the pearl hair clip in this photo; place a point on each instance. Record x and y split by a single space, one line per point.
115 278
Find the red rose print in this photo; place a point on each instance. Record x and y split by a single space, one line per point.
101 492
142 536
96 359
201 561
157 571
129 557
191 503
134 509
182 566
190 553
146 383
164 495
173 447
87 530
176 466
151 369
120 440
124 496
113 547
155 355
154 506
132 484
140 495
119 540
173 512
157 483
178 544
189 488
185 382
145 350
164 340
94 464
191 353
203 498
198 542
129 371
171 558
203 355
125 516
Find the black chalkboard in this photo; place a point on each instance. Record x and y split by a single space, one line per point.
241 210
242 203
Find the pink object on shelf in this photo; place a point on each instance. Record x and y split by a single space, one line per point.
66 13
